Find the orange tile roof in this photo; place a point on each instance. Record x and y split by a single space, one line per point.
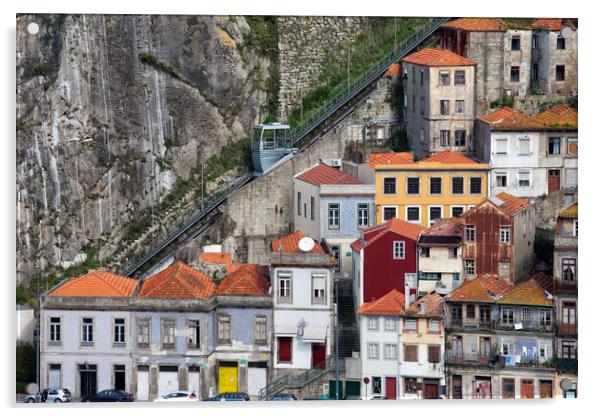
433 306
572 211
449 157
249 279
178 281
507 118
290 244
97 283
554 24
396 225
392 303
445 227
528 292
512 204
476 24
559 116
545 280
483 288
390 158
219 258
322 174
437 57
394 70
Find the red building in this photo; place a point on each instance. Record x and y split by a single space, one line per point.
383 259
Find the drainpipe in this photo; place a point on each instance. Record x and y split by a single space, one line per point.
336 323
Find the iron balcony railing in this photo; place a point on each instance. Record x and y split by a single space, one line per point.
366 78
469 324
453 357
527 326
568 365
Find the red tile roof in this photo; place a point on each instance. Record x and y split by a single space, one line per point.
219 258
433 306
528 292
394 70
554 24
392 303
249 279
97 283
512 204
476 24
323 174
445 227
290 244
545 280
437 57
560 116
178 281
483 288
449 157
390 158
507 118
572 211
396 225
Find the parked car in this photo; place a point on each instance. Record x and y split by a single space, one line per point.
110 396
282 396
229 397
50 395
178 396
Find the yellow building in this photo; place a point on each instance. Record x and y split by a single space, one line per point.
441 186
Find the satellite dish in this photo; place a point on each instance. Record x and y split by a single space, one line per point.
33 28
566 384
306 244
566 32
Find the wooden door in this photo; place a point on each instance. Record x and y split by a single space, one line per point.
391 388
553 180
456 386
527 390
545 389
431 389
318 355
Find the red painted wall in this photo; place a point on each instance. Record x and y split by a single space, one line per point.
381 272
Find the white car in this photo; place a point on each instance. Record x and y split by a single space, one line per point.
178 396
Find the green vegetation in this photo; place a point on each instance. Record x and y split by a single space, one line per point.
399 141
505 101
378 39
26 365
544 249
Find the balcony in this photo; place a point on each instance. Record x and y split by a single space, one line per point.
565 242
566 365
507 361
471 359
567 329
524 326
469 324
567 288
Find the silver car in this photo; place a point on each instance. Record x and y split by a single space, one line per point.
50 395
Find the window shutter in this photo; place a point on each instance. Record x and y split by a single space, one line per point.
284 349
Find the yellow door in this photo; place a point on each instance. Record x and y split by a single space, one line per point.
228 379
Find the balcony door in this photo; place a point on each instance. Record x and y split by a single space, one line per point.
484 348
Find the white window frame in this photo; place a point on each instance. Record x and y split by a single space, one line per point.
190 344
431 222
509 268
500 174
388 348
360 219
54 330
373 323
87 335
504 315
524 139
334 207
373 347
408 329
474 233
504 235
390 325
140 324
284 275
320 299
428 326
419 220
119 330
497 145
526 314
518 179
474 267
389 206
451 209
396 245
575 228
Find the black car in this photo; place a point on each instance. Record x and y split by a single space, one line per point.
110 396
282 396
229 397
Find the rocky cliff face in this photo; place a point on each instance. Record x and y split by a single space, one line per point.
103 134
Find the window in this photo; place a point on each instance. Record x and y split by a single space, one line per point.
501 179
399 250
390 352
457 211
484 314
508 389
389 186
410 384
285 289
389 212
413 214
305 210
534 41
409 325
434 353
119 331
55 330
453 254
524 146
457 185
433 326
413 186
261 329
434 214
575 228
336 252
505 235
285 350
318 283
507 315
501 146
435 186
390 324
568 349
469 267
571 148
312 208
444 137
376 385
194 334
298 203
421 105
421 76
568 270
475 186
459 106
524 179
560 43
525 314
421 135
545 317
169 333
507 348
410 353
425 252
554 146
363 215
334 216
559 72
535 72
444 107
223 329
143 332
373 324
373 350
456 313
459 78
515 43
444 78
514 74
87 330
460 138
504 269
470 233
470 312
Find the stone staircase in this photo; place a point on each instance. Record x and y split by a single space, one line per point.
349 340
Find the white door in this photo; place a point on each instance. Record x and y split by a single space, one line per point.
142 393
194 382
54 376
257 380
168 382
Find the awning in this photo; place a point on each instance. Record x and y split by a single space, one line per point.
285 330
314 333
